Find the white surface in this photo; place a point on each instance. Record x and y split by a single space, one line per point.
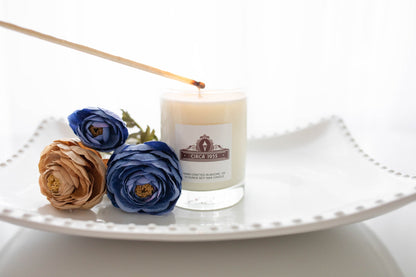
382 246
310 179
358 250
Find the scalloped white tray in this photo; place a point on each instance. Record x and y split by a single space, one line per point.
313 178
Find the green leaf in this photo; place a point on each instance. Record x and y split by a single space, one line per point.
140 136
135 135
130 123
148 135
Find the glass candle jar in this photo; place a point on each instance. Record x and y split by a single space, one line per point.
208 133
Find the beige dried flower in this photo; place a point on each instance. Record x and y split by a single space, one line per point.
71 175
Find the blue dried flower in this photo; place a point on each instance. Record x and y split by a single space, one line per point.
98 129
144 178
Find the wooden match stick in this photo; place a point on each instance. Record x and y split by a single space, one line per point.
101 54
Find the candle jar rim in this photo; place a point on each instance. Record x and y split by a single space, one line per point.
204 96
212 90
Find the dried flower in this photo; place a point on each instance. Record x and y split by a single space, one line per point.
144 178
71 175
98 128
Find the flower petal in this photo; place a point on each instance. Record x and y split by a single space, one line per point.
133 165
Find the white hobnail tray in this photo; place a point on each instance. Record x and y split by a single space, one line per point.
313 178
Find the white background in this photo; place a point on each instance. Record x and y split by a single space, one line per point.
297 60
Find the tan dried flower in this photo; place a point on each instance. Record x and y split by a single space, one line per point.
71 175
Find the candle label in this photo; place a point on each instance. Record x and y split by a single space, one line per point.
204 152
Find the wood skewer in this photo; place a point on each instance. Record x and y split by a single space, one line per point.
101 54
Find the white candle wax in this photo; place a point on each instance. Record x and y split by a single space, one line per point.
208 133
